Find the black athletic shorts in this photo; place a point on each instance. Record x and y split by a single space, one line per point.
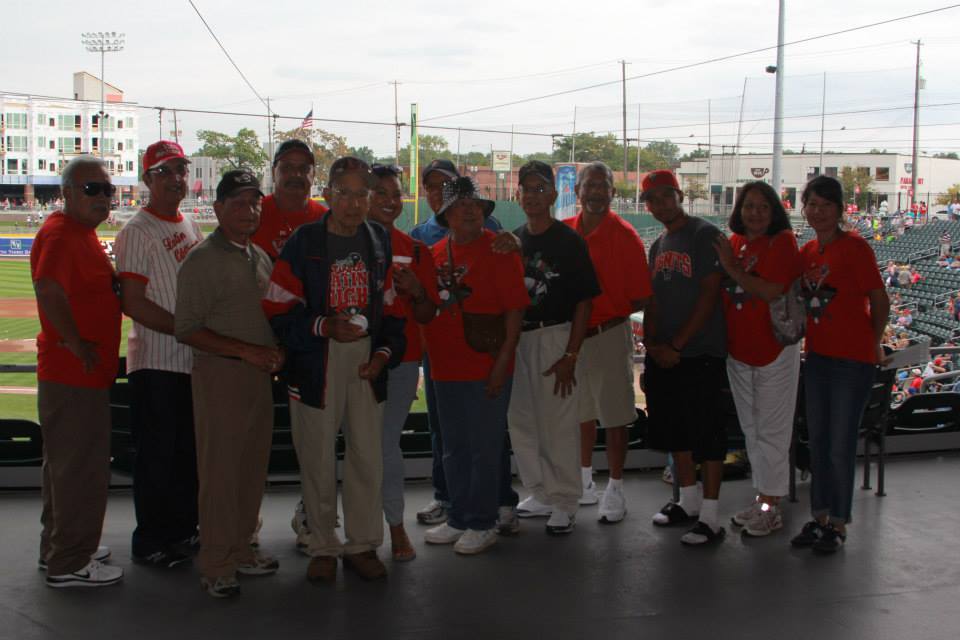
685 407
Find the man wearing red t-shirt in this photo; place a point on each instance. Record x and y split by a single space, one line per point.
281 213
606 357
76 364
290 204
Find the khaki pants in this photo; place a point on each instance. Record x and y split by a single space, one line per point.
75 423
233 419
544 431
349 402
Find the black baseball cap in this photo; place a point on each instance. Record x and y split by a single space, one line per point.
536 168
442 165
293 145
233 182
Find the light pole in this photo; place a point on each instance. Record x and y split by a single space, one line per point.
102 41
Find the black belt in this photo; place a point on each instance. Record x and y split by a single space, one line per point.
530 325
605 326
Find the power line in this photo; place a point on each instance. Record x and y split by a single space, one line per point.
226 53
694 64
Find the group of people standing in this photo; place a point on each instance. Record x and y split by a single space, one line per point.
524 338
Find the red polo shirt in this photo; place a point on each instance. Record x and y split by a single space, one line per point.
276 226
620 260
422 265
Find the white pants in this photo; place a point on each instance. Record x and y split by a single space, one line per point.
544 431
766 398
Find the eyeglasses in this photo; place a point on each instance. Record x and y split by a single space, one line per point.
540 189
93 189
298 169
168 170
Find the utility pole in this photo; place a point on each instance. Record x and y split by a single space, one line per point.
458 148
709 153
823 116
623 82
510 174
736 163
778 107
916 129
268 175
573 137
396 119
637 196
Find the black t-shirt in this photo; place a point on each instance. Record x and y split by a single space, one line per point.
349 286
558 273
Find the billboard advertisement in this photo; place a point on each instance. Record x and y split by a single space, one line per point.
15 246
566 177
501 161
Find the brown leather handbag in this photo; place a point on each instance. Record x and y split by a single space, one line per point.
484 332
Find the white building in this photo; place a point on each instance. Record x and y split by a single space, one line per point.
39 135
891 175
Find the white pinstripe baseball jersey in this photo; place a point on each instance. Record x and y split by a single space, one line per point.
151 248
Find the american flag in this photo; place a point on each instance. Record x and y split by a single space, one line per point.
307 121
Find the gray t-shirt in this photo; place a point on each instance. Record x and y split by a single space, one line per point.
678 262
349 274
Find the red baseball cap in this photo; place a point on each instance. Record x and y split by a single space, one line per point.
160 152
658 178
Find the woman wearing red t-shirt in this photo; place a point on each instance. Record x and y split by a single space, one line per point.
472 388
415 282
847 309
761 260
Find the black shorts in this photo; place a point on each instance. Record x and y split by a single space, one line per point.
685 407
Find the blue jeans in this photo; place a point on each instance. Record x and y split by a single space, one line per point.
436 438
401 392
836 393
475 457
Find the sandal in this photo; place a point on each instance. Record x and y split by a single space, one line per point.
671 514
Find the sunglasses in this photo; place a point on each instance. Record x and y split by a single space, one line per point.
93 189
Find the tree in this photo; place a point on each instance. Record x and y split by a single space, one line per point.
364 153
431 148
695 191
947 156
952 195
851 178
242 151
326 146
695 155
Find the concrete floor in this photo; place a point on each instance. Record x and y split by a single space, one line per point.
897 578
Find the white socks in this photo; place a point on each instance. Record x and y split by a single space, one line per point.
690 499
616 484
708 513
586 476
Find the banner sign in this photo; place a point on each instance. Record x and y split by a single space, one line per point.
566 177
15 246
501 161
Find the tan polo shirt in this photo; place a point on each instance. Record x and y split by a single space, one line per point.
219 288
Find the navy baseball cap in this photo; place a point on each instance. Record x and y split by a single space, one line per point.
293 145
442 165
536 168
233 182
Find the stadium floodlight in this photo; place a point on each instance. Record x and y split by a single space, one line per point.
103 42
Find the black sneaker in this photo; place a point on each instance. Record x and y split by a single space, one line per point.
162 559
811 533
830 540
188 546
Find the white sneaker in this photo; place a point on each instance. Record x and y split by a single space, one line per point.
442 534
613 506
742 517
560 522
299 525
95 574
262 565
530 507
434 512
100 555
225 587
473 541
508 523
589 495
764 522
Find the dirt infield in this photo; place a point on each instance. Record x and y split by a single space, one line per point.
28 345
18 308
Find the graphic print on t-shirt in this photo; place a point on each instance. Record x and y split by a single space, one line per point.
537 274
817 295
669 262
450 285
349 286
737 295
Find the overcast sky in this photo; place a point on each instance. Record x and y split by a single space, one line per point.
339 57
